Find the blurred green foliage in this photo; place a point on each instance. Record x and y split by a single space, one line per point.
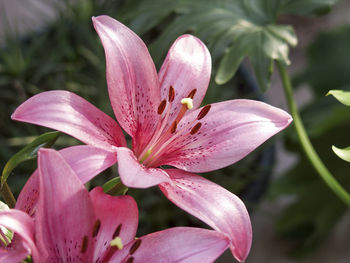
315 210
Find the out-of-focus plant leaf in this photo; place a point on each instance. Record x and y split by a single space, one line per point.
342 153
328 62
233 30
315 210
341 95
115 187
28 152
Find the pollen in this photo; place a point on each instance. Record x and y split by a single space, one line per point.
203 112
188 102
117 242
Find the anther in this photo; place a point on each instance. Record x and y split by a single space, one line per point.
161 107
188 102
130 260
171 94
84 244
192 93
117 242
203 112
173 127
96 228
117 231
135 246
196 128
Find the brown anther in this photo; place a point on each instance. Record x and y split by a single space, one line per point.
130 260
161 107
171 94
203 112
117 231
173 127
192 93
196 128
96 228
84 244
135 246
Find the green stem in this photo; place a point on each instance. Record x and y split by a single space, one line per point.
305 141
6 193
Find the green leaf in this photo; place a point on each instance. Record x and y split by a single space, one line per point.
28 152
225 26
115 187
342 153
341 95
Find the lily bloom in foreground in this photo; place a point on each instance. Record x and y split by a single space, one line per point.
161 113
73 225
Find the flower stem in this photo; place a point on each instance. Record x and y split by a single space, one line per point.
6 193
305 141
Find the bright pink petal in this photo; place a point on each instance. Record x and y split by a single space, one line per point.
23 227
65 216
133 174
214 205
64 111
186 67
114 214
230 131
86 161
131 77
178 244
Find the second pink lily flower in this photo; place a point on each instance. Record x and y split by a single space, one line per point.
161 113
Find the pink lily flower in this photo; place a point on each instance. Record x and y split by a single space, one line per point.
71 224
161 113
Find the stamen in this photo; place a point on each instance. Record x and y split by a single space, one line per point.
174 126
117 231
196 128
135 246
84 244
171 94
192 93
188 102
130 260
96 228
203 112
117 242
161 107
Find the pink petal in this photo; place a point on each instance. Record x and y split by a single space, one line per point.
86 161
214 205
186 67
23 227
65 216
64 111
115 214
178 244
133 174
230 131
131 77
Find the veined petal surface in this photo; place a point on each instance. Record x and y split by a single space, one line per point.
186 67
131 77
212 204
63 205
230 131
85 160
66 112
178 244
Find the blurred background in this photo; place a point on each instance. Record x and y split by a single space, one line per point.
47 45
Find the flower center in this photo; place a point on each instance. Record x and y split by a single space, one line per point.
167 134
